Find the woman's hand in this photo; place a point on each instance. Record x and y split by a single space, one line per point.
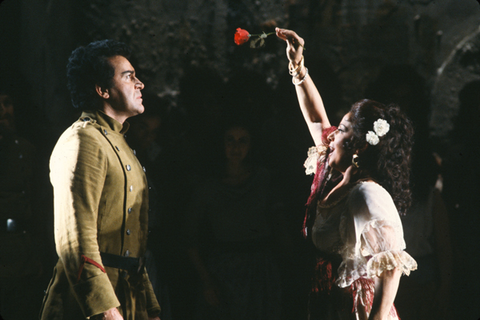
294 45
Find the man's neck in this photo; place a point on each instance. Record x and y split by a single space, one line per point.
114 114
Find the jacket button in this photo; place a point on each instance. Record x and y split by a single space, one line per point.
128 167
131 188
118 149
105 131
129 210
144 169
127 253
128 232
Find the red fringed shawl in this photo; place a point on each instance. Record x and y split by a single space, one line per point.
318 187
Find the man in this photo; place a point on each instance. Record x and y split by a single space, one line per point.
100 196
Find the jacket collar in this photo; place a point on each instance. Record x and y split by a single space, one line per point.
105 121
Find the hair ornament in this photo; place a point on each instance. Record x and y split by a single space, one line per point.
380 128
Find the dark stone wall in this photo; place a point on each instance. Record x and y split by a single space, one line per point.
353 39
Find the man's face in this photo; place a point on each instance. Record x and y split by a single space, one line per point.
124 95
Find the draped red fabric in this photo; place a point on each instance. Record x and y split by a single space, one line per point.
318 185
324 276
367 286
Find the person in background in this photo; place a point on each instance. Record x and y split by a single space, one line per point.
21 221
361 185
100 196
461 189
146 137
230 235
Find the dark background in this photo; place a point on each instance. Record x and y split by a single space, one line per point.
428 51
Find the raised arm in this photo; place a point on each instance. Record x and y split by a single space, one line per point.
309 98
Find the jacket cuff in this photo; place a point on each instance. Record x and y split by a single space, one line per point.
97 295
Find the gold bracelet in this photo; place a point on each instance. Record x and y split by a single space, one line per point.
301 80
296 71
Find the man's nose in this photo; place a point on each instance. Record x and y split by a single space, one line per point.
139 83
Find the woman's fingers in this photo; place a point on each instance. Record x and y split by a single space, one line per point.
280 33
290 36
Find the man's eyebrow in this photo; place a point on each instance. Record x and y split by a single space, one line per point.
127 71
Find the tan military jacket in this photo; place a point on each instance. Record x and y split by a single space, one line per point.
100 205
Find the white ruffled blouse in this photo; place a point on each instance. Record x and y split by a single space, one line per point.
364 227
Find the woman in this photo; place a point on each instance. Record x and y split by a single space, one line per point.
360 186
229 230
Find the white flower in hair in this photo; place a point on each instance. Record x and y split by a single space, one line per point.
381 127
314 153
372 138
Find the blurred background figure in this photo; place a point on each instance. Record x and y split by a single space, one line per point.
425 294
461 187
22 224
232 233
148 139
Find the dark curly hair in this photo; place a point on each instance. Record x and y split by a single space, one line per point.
88 66
388 162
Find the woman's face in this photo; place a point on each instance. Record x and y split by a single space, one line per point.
339 157
237 144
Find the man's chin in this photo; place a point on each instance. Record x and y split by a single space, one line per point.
141 109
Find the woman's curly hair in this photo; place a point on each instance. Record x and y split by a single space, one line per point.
89 66
388 162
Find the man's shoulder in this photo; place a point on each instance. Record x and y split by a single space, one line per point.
84 127
81 130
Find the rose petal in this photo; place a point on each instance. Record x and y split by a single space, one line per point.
241 36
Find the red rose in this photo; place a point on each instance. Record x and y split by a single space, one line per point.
241 36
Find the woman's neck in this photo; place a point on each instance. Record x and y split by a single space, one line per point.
236 173
349 179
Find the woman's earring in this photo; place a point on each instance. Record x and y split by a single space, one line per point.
355 160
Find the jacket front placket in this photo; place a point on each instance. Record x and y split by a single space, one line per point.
135 201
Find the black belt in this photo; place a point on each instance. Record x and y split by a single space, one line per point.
132 265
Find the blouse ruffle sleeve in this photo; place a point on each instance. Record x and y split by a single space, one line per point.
373 236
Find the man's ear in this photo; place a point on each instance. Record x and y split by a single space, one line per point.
102 92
